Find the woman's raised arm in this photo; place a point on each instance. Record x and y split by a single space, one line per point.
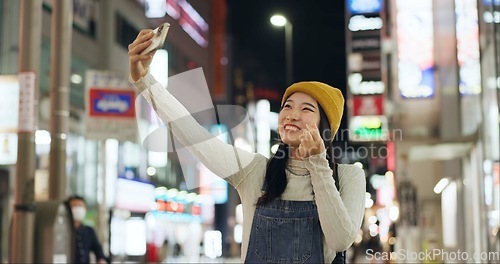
222 159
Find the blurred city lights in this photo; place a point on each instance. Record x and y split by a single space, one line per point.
213 243
42 137
278 20
274 148
238 233
76 78
394 213
368 203
159 67
441 185
361 23
151 171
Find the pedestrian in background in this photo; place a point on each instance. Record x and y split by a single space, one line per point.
85 236
293 211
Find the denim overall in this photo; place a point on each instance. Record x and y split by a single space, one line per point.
289 232
286 232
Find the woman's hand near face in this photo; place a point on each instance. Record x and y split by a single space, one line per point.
310 142
139 63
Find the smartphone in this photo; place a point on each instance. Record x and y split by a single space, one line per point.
158 39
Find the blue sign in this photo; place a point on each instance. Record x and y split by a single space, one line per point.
489 2
112 103
364 6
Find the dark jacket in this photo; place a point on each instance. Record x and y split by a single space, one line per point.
86 241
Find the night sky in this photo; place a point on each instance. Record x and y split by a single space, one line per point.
318 40
258 47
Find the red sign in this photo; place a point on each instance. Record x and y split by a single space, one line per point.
391 156
267 93
368 105
178 207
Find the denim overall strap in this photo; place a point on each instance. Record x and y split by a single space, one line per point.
286 232
340 257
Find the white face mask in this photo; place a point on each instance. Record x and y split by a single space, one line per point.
78 213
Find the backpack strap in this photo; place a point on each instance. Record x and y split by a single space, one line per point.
336 175
340 257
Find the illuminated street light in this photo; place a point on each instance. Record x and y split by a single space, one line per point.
278 20
281 21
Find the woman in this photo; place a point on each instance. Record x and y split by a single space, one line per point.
293 212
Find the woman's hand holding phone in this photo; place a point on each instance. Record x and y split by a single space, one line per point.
143 48
139 63
160 34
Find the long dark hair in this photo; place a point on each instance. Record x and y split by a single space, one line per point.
275 180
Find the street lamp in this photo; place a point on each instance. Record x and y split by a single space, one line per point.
281 21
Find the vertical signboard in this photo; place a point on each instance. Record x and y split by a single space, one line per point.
415 48
467 29
407 196
367 122
27 97
9 103
109 107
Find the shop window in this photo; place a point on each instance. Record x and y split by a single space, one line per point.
125 31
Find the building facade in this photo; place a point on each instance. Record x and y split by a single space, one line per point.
427 71
100 35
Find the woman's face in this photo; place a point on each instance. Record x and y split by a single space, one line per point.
297 111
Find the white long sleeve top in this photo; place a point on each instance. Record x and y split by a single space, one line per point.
340 211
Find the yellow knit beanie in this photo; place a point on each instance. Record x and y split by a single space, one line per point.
328 97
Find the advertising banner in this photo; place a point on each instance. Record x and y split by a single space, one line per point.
9 106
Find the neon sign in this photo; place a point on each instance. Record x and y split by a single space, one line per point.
359 86
415 48
489 2
364 6
468 47
362 23
368 128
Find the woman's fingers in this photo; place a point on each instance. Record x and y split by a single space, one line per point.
139 45
312 135
307 136
310 142
142 41
313 129
139 63
302 152
137 48
135 55
144 32
143 36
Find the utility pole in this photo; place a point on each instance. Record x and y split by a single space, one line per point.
23 220
60 66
